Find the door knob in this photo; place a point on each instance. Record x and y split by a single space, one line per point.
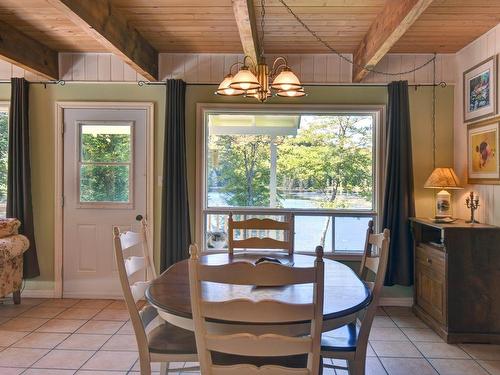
139 217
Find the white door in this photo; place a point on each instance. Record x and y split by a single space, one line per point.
105 174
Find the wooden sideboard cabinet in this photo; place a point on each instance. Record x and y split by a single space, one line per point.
457 279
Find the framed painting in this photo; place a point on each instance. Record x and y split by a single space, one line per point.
483 165
480 90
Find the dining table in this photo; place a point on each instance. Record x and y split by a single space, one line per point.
345 294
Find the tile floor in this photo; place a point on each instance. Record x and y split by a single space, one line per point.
59 337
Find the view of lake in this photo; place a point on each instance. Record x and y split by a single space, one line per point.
349 231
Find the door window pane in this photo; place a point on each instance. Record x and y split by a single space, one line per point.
104 183
105 143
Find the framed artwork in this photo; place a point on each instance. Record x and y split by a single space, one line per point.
483 166
480 90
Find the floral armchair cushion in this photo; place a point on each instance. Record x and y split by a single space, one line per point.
8 227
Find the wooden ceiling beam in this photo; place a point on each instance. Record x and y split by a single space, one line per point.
29 54
245 19
390 25
101 20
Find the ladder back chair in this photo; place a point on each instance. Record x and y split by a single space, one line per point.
287 227
157 341
268 347
350 341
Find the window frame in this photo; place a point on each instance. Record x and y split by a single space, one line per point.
205 109
4 106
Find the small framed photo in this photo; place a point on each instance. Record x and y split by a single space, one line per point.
480 90
483 165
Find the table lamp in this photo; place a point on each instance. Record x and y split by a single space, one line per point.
443 178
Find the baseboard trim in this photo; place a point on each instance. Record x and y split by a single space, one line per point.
91 296
38 293
395 301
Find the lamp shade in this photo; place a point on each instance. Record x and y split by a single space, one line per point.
226 90
245 80
443 178
286 80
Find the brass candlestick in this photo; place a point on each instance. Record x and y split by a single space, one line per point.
472 203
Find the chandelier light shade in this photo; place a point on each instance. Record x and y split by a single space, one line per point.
286 80
245 80
293 93
225 89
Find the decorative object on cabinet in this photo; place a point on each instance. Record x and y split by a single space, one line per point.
456 276
472 202
483 164
443 178
480 90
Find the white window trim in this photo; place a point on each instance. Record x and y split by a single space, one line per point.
203 109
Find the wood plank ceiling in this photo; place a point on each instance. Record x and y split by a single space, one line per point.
210 25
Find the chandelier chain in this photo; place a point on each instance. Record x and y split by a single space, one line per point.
345 58
262 25
434 113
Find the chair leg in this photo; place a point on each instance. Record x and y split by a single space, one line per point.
164 368
16 296
356 367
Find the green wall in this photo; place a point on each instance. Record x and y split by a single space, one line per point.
42 122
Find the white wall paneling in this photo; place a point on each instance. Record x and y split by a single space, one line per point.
489 212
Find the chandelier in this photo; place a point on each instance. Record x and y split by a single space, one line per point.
254 78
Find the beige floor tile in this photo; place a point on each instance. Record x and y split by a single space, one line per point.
42 312
40 340
111 360
11 370
408 366
408 321
44 371
78 313
32 301
493 367
380 311
11 311
94 303
387 334
395 349
64 359
96 372
127 329
457 367
7 338
4 319
421 334
120 305
60 302
369 351
20 357
113 314
23 324
383 322
374 367
398 311
441 350
84 341
482 351
155 366
61 326
100 327
121 342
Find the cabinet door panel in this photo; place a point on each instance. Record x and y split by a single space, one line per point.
430 292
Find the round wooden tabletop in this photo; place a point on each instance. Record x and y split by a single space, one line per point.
345 293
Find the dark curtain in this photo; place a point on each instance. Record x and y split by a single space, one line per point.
175 224
399 204
19 171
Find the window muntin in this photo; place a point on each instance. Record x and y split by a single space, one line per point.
295 159
105 164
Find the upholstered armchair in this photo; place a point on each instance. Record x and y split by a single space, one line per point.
12 247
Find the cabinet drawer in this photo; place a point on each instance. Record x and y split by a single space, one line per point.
431 258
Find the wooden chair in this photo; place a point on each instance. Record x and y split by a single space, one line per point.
287 227
349 342
164 343
268 348
367 251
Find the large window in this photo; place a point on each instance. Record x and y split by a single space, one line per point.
318 168
4 155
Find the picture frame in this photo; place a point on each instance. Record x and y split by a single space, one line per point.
480 86
483 162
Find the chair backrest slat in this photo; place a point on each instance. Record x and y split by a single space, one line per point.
258 311
130 239
254 370
259 346
372 264
263 274
138 290
255 224
269 311
134 264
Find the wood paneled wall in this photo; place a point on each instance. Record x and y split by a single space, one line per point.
479 50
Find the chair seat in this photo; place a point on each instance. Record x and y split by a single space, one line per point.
170 339
343 339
